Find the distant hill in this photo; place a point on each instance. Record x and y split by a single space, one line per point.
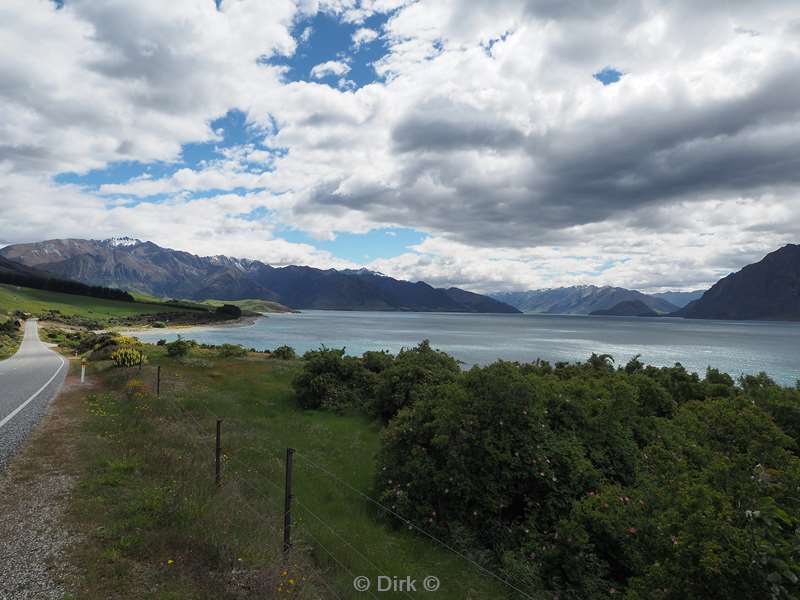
579 300
766 290
13 273
8 267
147 268
627 308
679 299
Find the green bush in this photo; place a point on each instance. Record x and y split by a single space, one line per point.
330 379
231 351
377 382
128 357
159 325
590 481
9 327
284 353
411 371
180 347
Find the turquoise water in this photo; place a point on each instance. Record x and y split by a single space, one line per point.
733 346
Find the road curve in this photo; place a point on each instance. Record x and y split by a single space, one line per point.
29 380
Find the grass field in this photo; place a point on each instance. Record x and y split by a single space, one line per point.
155 520
38 301
253 306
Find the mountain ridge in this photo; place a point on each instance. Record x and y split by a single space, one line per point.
765 290
579 300
143 266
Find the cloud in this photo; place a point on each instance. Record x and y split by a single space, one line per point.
364 36
231 224
484 128
93 83
331 67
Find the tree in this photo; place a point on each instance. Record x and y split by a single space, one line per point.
229 311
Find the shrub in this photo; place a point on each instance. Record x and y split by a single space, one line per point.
180 347
9 327
329 380
587 480
161 343
231 351
284 353
159 325
128 357
413 370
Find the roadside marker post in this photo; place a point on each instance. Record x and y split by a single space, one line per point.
158 382
83 370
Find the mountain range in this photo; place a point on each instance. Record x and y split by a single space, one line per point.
147 268
766 290
580 300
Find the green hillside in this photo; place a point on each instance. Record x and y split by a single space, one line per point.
253 306
40 301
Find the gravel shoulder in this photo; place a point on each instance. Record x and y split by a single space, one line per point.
36 485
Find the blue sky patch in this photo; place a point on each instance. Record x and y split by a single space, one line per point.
232 129
361 247
324 38
608 75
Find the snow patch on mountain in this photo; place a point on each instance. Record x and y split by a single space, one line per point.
117 242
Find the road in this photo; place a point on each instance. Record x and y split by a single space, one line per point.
29 380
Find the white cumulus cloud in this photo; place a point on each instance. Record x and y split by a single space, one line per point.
331 67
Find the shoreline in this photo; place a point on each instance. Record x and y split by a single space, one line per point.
246 321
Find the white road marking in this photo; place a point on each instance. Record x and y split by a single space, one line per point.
40 390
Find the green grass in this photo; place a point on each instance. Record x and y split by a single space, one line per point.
38 301
171 302
147 495
253 306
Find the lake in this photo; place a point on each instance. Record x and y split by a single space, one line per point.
733 346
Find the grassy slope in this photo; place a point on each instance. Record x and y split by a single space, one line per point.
148 496
254 306
36 301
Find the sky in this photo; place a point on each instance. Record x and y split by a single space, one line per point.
488 144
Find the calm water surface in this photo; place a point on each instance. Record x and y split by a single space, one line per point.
733 346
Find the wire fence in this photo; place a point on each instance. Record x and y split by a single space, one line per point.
263 479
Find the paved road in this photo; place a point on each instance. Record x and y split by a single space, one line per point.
29 380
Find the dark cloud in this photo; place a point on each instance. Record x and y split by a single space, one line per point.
441 127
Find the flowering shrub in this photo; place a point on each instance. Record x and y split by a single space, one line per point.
128 357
